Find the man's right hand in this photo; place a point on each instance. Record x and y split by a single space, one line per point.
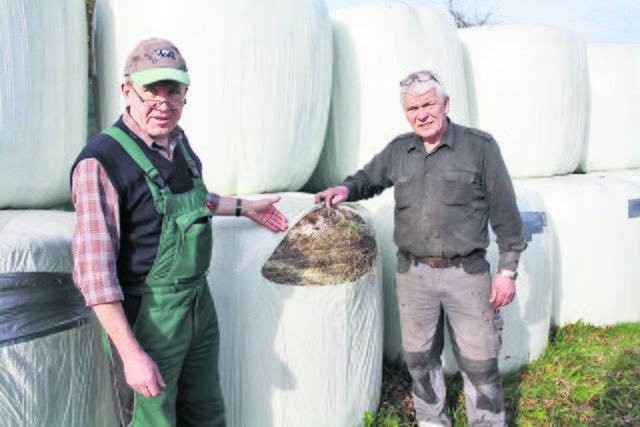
142 374
332 196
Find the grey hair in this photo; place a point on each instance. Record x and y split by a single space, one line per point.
421 82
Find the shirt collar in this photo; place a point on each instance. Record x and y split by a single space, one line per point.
447 139
174 136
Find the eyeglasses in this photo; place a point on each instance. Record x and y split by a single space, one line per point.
418 77
155 104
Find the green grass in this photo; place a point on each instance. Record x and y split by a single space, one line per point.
588 376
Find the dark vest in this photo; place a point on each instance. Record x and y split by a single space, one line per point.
140 222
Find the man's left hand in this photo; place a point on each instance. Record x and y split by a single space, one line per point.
264 213
504 291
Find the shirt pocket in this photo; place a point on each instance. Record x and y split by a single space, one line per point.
458 187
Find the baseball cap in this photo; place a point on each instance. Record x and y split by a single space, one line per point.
154 60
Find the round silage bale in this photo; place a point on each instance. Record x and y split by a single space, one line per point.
43 99
374 47
614 129
300 317
54 370
596 221
381 208
260 82
528 87
528 318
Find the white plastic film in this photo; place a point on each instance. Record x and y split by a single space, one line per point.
293 355
60 379
54 370
528 318
381 209
375 46
43 99
260 82
597 238
35 241
613 140
528 87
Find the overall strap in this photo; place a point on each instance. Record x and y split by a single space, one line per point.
192 164
152 175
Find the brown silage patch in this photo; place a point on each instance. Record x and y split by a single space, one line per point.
326 247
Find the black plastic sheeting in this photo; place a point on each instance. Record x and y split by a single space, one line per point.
634 208
34 305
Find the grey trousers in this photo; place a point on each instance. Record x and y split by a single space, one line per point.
425 294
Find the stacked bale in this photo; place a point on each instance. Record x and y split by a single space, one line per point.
595 221
375 45
614 129
43 100
300 317
261 82
528 87
53 364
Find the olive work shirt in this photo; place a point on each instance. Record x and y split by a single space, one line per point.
445 199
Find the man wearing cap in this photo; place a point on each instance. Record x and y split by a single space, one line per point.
449 181
142 246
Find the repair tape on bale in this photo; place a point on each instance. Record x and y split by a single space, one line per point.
634 208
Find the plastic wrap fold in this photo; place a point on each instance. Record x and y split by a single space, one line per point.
43 99
260 82
374 47
528 87
597 241
54 370
293 355
614 130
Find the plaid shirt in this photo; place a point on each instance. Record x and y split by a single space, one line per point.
96 234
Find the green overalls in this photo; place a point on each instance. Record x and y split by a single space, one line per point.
177 324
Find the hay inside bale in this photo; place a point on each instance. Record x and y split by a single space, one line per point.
326 247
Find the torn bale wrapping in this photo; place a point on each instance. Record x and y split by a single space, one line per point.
326 247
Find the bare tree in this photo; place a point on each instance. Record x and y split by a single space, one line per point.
471 16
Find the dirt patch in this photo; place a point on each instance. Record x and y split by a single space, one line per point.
326 247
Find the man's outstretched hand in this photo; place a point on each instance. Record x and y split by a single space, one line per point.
264 213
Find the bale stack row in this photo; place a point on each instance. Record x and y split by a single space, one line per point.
300 97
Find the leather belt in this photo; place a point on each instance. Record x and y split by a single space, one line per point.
448 262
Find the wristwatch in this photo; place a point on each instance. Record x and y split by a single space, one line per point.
513 275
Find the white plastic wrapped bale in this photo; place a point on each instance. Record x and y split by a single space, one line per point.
300 317
528 86
614 75
260 82
54 368
375 46
528 318
381 209
596 223
43 99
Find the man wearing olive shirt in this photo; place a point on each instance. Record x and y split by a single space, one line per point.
450 181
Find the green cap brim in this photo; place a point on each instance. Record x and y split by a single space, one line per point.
153 75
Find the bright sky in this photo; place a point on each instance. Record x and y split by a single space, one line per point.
598 21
